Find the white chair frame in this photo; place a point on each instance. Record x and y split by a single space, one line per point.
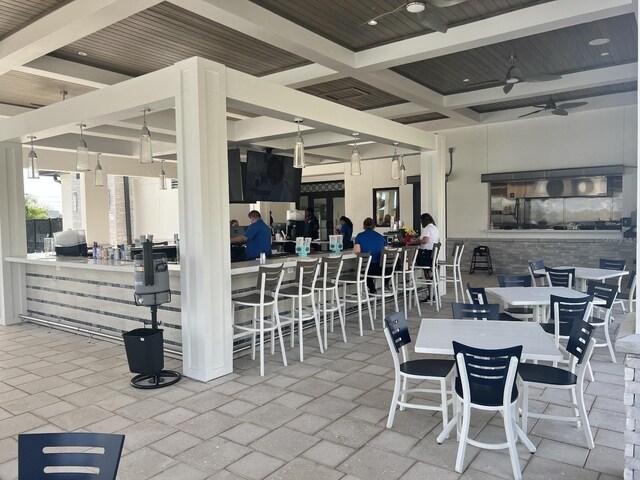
361 294
329 299
456 274
406 278
382 294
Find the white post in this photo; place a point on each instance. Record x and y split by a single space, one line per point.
95 209
205 264
13 240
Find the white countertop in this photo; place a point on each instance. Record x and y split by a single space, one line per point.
560 234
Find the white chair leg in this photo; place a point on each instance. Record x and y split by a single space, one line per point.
261 341
585 419
464 435
576 411
340 316
609 345
443 400
300 332
394 291
293 323
590 372
359 293
253 334
403 398
280 336
394 402
324 311
368 299
316 318
510 429
525 408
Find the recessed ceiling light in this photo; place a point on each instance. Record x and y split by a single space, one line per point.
604 54
415 7
83 54
598 41
465 80
372 22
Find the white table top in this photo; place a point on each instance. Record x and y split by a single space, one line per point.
588 273
435 337
523 296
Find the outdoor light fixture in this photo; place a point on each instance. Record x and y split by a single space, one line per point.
162 177
98 174
298 151
82 153
146 155
403 171
415 7
395 163
356 167
32 168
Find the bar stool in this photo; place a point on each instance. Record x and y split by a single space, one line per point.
303 289
434 281
359 280
406 277
329 296
388 260
456 275
265 295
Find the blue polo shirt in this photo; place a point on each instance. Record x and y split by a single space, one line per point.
258 240
347 233
371 242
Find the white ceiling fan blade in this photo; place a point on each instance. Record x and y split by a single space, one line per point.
566 106
445 3
431 19
531 113
507 87
542 77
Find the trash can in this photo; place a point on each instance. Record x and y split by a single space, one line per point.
144 347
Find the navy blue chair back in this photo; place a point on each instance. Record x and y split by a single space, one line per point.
475 311
536 265
603 291
487 372
397 327
569 310
477 294
561 277
608 264
579 339
514 280
99 451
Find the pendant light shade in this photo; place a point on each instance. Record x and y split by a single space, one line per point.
395 163
298 150
403 171
32 168
146 155
162 177
98 174
82 153
356 167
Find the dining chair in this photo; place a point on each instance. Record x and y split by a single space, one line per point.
629 294
438 370
537 265
564 312
560 277
521 313
475 311
478 296
264 296
607 293
580 348
486 381
611 264
69 455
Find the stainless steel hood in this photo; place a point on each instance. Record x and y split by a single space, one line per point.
557 188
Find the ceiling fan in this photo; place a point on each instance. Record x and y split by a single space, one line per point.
555 109
513 76
426 15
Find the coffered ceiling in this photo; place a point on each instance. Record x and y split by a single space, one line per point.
398 69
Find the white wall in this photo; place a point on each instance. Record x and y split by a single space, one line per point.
156 211
600 137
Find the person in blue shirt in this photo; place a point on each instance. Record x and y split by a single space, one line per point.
346 230
257 237
370 241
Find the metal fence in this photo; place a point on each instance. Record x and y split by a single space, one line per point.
37 230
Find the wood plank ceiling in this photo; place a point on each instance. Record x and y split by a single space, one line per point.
353 93
32 91
560 51
165 34
17 14
344 22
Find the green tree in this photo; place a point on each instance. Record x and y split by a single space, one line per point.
34 209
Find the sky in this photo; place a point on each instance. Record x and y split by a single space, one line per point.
46 190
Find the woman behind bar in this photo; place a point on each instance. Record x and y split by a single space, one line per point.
346 229
370 241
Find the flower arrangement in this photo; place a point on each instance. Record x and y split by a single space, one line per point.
408 231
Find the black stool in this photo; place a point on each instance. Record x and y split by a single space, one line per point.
481 260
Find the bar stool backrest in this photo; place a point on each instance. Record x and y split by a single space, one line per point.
331 267
475 311
570 310
270 278
579 340
307 273
435 253
477 295
389 259
603 291
560 277
364 260
608 264
409 257
514 280
458 248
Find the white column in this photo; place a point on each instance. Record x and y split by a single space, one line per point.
13 240
205 264
95 209
432 179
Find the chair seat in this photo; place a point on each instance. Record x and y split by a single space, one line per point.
519 310
622 296
565 328
427 368
293 291
350 278
252 298
485 394
546 374
597 321
505 317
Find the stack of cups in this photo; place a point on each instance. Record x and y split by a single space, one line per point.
303 246
335 243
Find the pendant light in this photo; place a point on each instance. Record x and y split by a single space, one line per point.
298 151
98 173
82 153
356 167
395 163
403 171
32 168
162 177
146 156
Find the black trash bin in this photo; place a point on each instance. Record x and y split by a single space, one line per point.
144 347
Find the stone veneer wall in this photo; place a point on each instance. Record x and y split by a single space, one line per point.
117 216
511 256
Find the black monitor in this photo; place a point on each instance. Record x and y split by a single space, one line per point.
236 176
236 231
279 227
271 178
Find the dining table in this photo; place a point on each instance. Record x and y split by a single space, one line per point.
436 336
588 273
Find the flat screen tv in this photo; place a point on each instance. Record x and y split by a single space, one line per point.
271 178
236 176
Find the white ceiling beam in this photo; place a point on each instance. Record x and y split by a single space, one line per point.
400 110
72 72
7 111
572 81
63 26
520 23
304 76
259 129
